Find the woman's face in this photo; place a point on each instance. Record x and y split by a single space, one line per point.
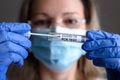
66 13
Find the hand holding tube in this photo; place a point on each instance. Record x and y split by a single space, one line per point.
104 49
13 45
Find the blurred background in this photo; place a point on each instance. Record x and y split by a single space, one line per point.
108 11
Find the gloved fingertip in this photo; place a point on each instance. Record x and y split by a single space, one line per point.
28 44
25 55
84 46
96 34
28 25
96 63
89 34
20 28
20 63
88 56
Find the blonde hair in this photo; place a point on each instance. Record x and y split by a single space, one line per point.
30 71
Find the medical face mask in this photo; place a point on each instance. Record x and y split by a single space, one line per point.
56 55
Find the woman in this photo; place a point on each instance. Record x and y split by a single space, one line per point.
51 60
52 10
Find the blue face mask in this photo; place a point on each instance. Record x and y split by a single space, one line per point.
56 55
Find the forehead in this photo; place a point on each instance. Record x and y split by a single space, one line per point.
57 6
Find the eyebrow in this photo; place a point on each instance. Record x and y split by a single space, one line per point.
44 14
64 14
69 13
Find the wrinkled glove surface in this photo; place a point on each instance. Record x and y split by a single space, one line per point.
104 49
13 45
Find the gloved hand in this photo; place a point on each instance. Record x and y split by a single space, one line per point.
104 49
13 45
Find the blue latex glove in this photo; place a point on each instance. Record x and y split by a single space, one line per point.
104 49
13 45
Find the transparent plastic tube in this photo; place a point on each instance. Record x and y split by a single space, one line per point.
60 36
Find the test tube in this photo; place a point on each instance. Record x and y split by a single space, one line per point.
60 36
69 37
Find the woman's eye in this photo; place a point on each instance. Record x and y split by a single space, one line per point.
71 21
41 22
